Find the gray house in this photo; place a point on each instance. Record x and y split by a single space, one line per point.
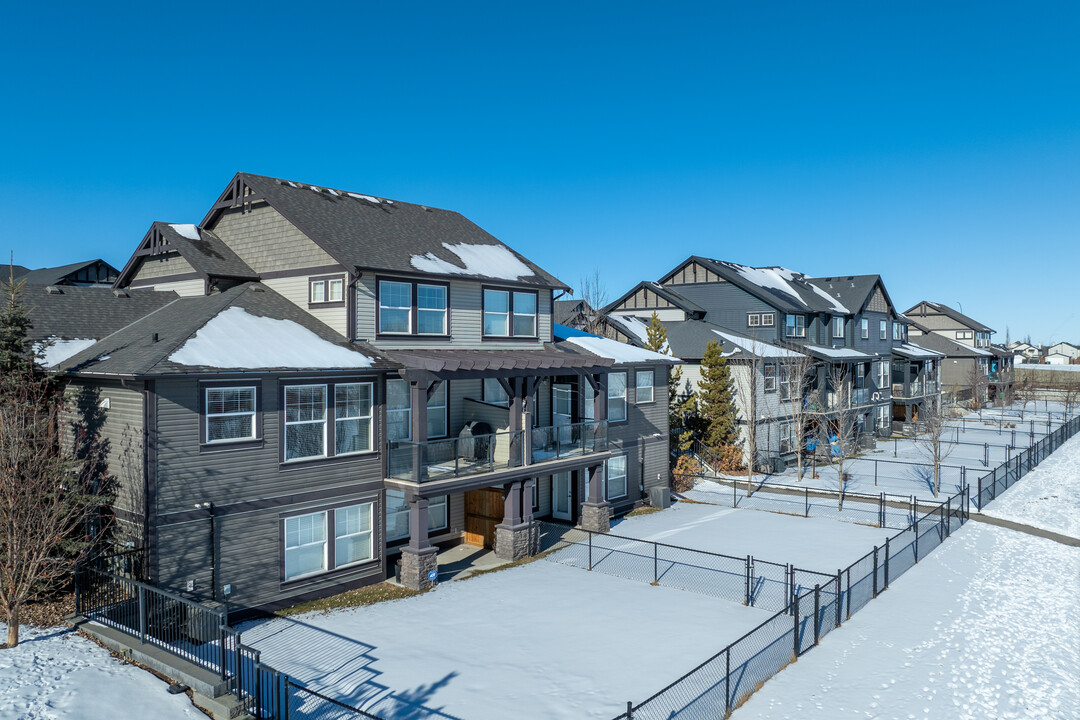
339 384
847 325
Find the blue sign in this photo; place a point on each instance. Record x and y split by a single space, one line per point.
433 575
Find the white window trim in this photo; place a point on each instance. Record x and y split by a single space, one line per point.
838 328
611 398
753 320
324 541
443 409
884 327
768 319
638 388
407 410
767 377
865 327
485 312
795 330
409 308
370 417
286 423
370 532
445 309
208 415
625 476
535 315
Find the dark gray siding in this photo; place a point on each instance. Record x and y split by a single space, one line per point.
728 305
250 489
643 438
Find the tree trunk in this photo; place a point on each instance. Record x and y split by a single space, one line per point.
13 627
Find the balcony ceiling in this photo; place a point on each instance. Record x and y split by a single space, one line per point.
547 360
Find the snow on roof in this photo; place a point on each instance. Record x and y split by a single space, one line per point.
756 347
782 279
236 339
58 350
186 230
836 306
494 261
619 352
633 326
837 352
916 351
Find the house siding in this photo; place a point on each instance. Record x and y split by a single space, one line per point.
295 289
646 453
728 305
156 266
183 288
267 242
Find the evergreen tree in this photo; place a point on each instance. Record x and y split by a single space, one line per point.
14 326
716 399
680 409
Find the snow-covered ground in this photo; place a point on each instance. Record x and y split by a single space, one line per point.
808 543
539 640
986 627
54 673
1049 496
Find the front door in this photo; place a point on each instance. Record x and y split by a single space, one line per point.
561 500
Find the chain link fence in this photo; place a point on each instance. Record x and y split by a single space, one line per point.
1008 473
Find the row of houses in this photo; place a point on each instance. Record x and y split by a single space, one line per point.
1061 353
311 389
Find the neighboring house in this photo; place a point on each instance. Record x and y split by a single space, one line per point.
94 273
1023 351
341 383
1065 349
1058 358
963 367
848 325
930 318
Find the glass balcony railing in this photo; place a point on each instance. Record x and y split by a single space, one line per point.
560 441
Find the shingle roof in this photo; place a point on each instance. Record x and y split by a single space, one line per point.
785 289
208 254
688 339
949 312
567 309
55 275
145 346
71 312
853 291
947 347
667 293
367 232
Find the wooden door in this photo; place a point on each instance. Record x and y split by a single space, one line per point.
483 511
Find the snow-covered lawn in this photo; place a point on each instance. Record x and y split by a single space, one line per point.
54 673
540 640
1049 496
809 543
986 627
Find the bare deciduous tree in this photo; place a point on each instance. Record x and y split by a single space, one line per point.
594 292
749 376
1025 393
931 443
838 427
977 381
795 378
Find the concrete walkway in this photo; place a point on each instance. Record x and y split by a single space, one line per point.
1028 529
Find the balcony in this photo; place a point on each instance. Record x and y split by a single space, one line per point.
920 387
860 397
1002 376
461 457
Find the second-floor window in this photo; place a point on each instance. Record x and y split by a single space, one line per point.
787 382
860 376
884 330
795 326
352 418
305 421
230 414
838 327
761 319
864 327
315 428
643 381
509 313
326 290
408 308
770 378
616 403
897 331
883 374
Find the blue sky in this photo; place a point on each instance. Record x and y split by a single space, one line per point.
935 143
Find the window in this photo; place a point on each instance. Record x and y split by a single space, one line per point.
787 437
838 327
896 332
230 414
398 410
860 376
436 413
352 418
795 325
326 290
305 545
770 378
643 382
883 416
864 326
753 319
963 334
883 374
395 307
431 309
768 319
305 421
352 535
509 314
616 477
788 382
397 515
884 329
495 393
616 401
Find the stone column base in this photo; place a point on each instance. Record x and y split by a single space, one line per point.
416 565
514 542
596 517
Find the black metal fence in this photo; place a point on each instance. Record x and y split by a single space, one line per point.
1005 475
728 678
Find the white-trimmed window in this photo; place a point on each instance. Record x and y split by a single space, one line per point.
753 320
860 376
398 410
787 382
769 371
436 413
326 290
616 402
787 437
896 333
497 313
352 535
305 421
883 416
430 309
524 311
305 545
395 307
864 326
883 374
884 330
353 427
795 326
230 414
397 515
495 393
838 327
643 383
616 477
768 319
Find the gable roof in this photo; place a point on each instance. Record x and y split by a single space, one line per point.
207 254
71 312
667 293
947 347
250 319
785 289
947 311
853 291
371 233
566 310
60 275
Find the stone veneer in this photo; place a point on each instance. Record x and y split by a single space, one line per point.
415 566
514 542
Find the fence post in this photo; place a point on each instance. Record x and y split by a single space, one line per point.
986 454
886 564
817 613
875 473
590 550
916 541
748 567
838 607
77 575
881 510
875 571
806 502
849 592
948 512
285 703
142 613
629 710
795 614
258 685
656 563
727 678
